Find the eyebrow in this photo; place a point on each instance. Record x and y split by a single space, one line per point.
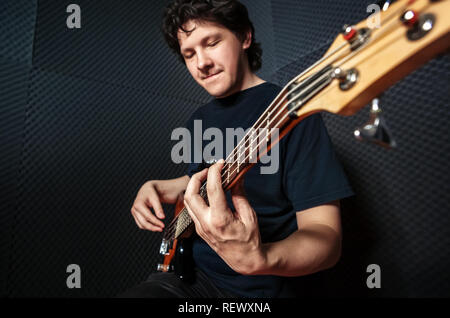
204 40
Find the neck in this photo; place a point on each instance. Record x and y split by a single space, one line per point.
251 80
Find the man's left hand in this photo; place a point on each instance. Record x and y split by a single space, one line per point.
234 236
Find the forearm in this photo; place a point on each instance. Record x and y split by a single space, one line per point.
304 252
169 189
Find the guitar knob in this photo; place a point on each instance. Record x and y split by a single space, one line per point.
376 129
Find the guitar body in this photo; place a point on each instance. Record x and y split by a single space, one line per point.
184 261
177 253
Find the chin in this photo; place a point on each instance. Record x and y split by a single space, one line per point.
216 91
219 91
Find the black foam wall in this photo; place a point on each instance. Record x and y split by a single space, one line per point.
86 117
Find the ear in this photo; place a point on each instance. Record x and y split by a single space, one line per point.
248 40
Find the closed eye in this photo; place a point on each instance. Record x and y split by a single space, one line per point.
213 43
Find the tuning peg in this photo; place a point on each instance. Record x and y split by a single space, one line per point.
409 18
347 78
348 32
376 129
385 4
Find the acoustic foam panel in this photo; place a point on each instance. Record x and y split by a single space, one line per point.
119 42
88 147
17 22
260 13
13 99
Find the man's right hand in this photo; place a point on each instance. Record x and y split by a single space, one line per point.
150 196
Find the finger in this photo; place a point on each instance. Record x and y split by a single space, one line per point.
148 215
136 220
146 225
238 192
216 195
192 194
154 202
198 225
243 208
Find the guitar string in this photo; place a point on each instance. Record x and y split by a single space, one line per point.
370 40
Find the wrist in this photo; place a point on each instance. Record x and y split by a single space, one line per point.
264 263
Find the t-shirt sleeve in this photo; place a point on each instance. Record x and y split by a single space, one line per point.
312 173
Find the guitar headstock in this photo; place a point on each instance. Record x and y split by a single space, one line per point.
366 59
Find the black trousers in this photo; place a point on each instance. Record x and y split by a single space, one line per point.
168 285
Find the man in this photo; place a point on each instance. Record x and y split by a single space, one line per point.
248 241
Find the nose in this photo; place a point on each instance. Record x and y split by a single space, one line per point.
204 62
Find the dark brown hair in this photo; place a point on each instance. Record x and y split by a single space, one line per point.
231 14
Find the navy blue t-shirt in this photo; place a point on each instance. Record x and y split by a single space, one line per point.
308 175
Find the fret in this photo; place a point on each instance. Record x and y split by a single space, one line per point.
246 147
239 156
253 139
183 222
238 164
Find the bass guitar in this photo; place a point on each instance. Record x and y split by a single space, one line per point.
360 64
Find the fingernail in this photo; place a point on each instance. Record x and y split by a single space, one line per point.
221 161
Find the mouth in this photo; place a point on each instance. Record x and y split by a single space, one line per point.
212 76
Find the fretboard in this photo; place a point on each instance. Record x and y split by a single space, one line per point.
257 141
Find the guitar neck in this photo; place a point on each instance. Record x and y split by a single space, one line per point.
271 126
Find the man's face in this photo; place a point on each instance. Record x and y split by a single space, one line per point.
214 56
